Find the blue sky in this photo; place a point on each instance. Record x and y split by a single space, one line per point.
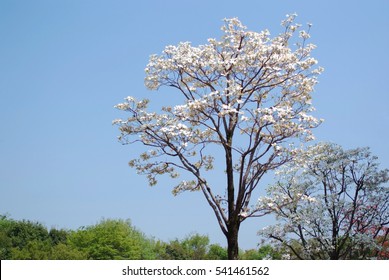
65 64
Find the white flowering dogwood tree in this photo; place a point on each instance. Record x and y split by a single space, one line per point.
246 95
331 203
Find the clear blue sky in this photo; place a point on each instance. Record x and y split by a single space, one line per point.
65 64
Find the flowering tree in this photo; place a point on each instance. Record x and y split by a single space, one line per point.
246 95
333 202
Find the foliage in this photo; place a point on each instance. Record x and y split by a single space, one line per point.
217 252
331 203
23 239
63 251
109 239
246 95
262 253
193 247
117 239
58 236
112 240
27 240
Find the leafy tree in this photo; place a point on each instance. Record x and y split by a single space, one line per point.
246 97
196 245
263 252
193 247
5 239
22 232
217 252
63 251
32 250
173 251
331 203
23 239
58 236
112 240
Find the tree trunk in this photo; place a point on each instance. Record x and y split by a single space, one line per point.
233 217
232 241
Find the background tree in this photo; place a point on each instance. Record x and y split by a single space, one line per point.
112 240
217 252
334 202
23 239
247 96
27 240
193 247
262 253
108 239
